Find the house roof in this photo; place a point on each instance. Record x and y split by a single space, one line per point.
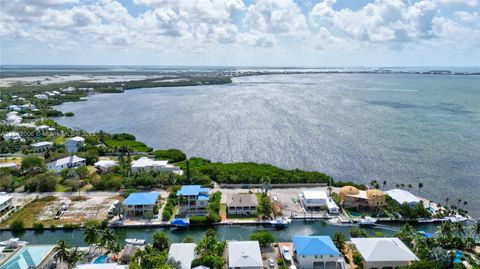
244 254
8 165
105 163
41 144
383 249
76 139
189 190
66 160
183 253
145 161
314 245
4 198
402 196
242 199
315 195
141 198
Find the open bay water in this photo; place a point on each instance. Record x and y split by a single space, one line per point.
402 128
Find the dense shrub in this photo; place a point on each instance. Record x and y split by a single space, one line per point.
171 155
17 226
38 226
198 220
265 238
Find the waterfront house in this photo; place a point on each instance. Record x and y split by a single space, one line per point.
74 144
242 204
140 203
384 252
67 162
5 202
317 200
41 146
12 136
30 257
14 118
147 164
14 108
244 255
352 197
403 196
105 166
193 200
317 252
184 253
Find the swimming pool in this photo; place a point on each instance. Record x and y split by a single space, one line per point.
101 259
458 256
28 256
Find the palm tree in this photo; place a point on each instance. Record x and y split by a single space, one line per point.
410 186
446 202
61 251
384 184
420 186
107 237
402 186
476 228
174 264
74 256
118 210
339 239
397 186
90 235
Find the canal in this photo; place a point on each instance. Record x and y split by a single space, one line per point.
239 232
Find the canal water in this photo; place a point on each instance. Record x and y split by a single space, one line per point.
240 232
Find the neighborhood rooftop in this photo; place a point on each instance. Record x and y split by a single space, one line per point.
244 254
183 253
314 245
66 160
403 196
243 199
141 198
383 249
193 190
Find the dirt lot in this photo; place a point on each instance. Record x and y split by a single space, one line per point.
80 210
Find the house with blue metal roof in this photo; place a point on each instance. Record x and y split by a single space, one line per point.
317 252
140 203
193 200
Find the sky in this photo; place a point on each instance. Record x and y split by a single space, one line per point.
241 33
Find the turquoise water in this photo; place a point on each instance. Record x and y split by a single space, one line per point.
101 259
402 128
27 257
75 237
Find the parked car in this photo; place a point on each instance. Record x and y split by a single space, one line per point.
271 263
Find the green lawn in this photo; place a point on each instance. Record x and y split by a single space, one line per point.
134 145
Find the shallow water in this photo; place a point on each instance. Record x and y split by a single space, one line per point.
402 128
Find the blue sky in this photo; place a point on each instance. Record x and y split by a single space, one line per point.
236 32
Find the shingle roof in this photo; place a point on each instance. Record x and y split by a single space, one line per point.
314 245
141 198
244 254
383 249
242 199
70 159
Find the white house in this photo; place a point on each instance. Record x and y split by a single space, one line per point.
244 255
14 108
383 252
147 164
74 144
41 146
67 162
13 117
184 253
41 96
12 136
313 200
105 165
5 202
317 252
242 204
403 196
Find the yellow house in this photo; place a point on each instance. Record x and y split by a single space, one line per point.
352 197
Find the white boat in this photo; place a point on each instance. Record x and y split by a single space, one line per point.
457 218
286 253
281 222
135 241
367 221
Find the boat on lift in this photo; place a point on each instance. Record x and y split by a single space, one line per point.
280 222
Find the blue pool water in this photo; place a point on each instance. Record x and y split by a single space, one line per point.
101 259
458 256
27 257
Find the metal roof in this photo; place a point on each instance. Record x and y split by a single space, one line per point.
383 249
183 253
141 198
244 254
314 245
